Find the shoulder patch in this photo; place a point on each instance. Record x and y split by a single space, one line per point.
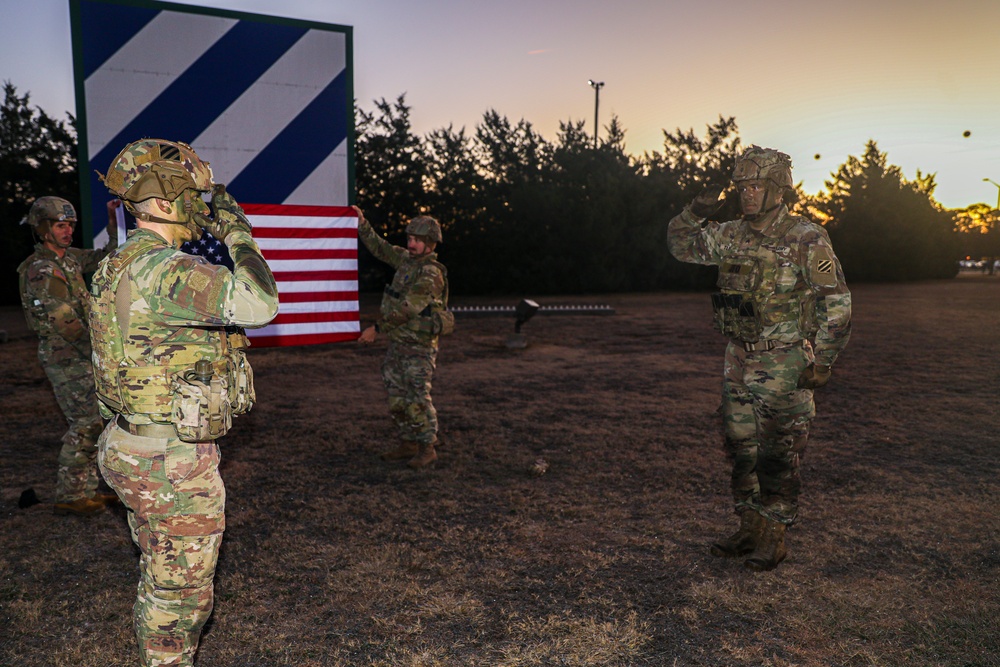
823 268
198 281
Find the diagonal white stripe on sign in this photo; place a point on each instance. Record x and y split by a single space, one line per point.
147 64
272 102
327 182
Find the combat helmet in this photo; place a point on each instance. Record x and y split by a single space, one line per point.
425 227
765 164
163 169
156 168
49 209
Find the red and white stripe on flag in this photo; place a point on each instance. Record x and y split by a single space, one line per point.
313 254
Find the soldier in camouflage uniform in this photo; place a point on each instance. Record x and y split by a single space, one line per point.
171 372
414 313
54 298
786 309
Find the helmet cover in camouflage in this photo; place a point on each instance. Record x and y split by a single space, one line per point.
157 168
46 209
765 164
425 227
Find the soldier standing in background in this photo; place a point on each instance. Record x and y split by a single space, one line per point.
171 371
414 313
54 299
784 305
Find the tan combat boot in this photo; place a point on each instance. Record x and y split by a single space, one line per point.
744 540
81 507
108 499
770 549
406 450
424 457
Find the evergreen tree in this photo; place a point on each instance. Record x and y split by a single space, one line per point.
884 227
390 166
37 158
390 172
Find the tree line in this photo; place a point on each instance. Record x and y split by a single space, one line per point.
525 215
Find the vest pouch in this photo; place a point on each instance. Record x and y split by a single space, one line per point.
433 321
242 395
200 409
736 316
444 322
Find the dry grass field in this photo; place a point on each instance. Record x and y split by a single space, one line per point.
334 558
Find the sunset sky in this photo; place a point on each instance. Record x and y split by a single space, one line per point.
806 77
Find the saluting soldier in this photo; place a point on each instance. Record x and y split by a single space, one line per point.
785 307
171 372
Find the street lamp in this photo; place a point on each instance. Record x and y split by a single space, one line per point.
998 191
596 85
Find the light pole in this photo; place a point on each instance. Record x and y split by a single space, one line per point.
998 191
596 85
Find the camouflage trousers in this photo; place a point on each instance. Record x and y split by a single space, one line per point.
407 373
176 509
72 381
766 420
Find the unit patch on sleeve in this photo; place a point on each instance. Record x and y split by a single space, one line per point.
822 268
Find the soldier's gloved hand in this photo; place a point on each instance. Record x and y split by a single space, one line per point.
227 216
708 202
814 377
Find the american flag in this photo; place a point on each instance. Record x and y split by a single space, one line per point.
313 254
210 248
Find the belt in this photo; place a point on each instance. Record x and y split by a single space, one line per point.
147 430
764 345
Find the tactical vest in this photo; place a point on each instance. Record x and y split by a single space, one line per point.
136 373
435 319
761 292
35 313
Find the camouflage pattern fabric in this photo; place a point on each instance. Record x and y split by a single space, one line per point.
802 308
176 502
155 311
407 373
418 287
766 420
178 306
55 303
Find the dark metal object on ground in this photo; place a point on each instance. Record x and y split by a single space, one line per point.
524 311
28 498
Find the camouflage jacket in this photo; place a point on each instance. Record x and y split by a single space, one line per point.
788 272
418 288
54 298
155 311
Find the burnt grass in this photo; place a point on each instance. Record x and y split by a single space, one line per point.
332 557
